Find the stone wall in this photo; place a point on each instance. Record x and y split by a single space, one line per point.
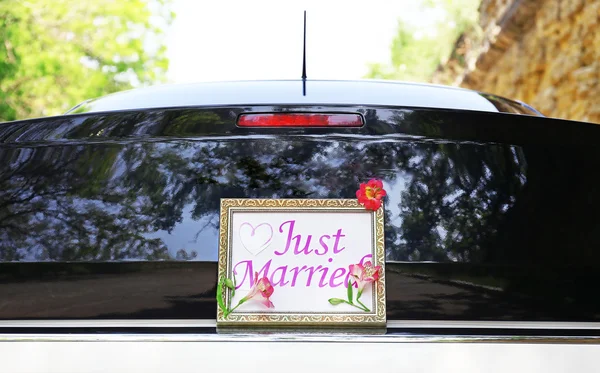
542 52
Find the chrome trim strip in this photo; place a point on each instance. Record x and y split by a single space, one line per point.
548 325
211 323
331 338
191 323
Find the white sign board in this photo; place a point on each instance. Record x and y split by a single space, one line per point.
289 262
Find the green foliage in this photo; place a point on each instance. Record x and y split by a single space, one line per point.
350 291
418 48
55 54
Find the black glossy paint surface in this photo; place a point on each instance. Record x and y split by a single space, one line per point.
488 216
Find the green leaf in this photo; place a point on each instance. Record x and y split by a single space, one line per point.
220 300
46 73
417 58
234 286
350 291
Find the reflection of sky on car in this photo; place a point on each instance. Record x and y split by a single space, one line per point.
159 200
192 234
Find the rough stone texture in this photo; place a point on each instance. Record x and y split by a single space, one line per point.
542 52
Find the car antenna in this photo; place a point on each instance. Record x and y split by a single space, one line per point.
304 59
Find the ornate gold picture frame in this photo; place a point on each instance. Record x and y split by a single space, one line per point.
288 263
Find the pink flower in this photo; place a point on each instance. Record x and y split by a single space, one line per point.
364 274
263 288
356 271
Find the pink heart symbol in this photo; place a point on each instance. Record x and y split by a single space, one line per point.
255 239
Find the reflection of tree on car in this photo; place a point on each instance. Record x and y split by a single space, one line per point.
119 191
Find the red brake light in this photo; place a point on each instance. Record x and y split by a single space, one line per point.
300 120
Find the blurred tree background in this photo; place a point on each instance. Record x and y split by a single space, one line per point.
545 53
418 49
56 54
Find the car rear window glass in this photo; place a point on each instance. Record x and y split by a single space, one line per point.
127 228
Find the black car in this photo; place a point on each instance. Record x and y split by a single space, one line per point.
109 213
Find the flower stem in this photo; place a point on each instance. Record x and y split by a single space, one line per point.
359 302
363 308
243 300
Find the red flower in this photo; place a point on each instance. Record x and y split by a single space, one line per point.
263 288
370 194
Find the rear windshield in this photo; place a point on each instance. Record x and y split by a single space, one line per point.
116 217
